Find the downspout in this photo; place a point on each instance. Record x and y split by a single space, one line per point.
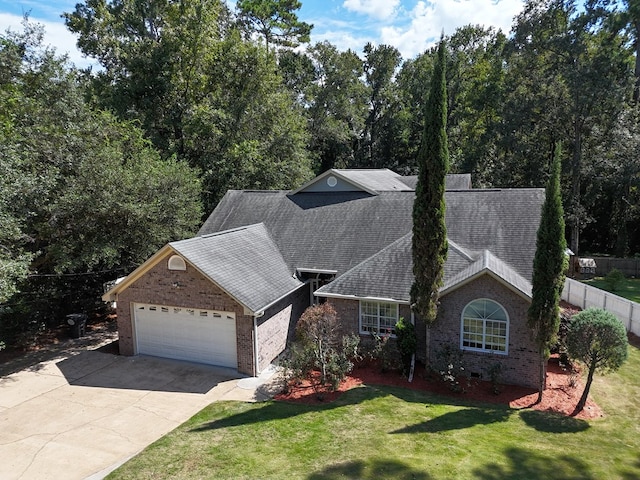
413 356
255 343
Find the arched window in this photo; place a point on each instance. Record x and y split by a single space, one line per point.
176 262
485 327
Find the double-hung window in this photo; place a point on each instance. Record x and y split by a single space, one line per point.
485 327
378 317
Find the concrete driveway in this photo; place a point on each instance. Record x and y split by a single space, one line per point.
83 413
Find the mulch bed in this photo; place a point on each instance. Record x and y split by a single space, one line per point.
561 395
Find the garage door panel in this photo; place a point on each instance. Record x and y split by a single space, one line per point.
201 336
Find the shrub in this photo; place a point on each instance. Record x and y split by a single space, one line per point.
614 280
599 340
450 367
495 375
384 350
407 343
320 354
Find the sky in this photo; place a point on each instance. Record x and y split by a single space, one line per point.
411 26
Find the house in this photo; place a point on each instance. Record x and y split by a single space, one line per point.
231 295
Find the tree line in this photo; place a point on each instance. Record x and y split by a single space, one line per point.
102 167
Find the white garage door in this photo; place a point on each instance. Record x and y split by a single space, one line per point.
195 335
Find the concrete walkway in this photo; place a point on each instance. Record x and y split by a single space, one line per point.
83 413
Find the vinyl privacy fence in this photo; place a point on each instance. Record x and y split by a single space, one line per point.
585 296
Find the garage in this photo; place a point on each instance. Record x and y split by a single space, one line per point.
194 335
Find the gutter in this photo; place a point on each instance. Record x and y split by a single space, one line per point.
261 311
356 297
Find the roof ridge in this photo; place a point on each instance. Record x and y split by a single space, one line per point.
224 232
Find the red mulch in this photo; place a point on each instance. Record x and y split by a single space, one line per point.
558 397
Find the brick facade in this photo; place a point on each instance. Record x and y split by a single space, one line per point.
190 289
520 365
349 313
277 326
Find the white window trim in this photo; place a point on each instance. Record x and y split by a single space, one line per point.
483 350
377 302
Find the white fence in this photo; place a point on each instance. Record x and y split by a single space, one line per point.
585 296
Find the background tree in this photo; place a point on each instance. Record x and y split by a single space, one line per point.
549 266
429 228
90 198
248 133
337 106
580 78
475 90
275 20
381 135
599 340
154 54
411 80
200 92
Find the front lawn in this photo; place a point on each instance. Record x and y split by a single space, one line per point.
629 287
396 433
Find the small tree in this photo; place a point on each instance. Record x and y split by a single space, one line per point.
429 248
599 340
614 280
549 267
321 348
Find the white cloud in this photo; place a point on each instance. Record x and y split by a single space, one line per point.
380 9
427 20
55 35
344 40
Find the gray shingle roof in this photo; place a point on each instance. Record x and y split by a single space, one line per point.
352 230
319 230
489 263
245 262
389 273
453 181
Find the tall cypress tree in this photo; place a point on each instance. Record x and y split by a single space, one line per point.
549 266
429 229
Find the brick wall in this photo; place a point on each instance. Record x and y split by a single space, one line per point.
276 327
349 311
195 291
521 364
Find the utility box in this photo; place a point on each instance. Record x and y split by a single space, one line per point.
77 323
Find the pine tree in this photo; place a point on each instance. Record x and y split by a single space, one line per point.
549 266
429 229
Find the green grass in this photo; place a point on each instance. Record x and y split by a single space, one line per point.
629 288
394 433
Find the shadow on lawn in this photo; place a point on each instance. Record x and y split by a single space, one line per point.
551 422
470 415
282 410
458 420
523 463
370 471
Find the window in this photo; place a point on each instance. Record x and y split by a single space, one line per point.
176 263
485 327
378 317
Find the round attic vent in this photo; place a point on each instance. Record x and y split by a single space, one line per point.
332 181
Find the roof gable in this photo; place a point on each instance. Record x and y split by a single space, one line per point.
389 273
244 262
491 265
355 180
